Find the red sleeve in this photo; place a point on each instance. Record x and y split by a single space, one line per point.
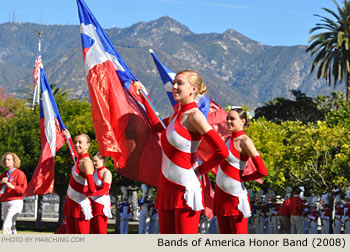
153 117
301 205
259 173
91 183
103 191
220 151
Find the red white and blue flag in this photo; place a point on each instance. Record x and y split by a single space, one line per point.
52 139
122 128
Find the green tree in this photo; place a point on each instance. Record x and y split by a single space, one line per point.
303 109
341 115
29 90
331 46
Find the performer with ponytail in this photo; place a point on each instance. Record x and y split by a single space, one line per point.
232 205
180 196
100 200
77 207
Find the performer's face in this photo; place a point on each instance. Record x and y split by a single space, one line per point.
9 163
182 89
234 122
81 144
97 162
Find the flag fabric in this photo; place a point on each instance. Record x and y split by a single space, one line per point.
122 128
168 76
36 76
52 139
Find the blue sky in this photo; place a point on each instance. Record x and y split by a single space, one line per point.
271 22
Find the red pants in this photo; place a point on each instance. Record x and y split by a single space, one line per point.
77 226
232 224
98 224
178 221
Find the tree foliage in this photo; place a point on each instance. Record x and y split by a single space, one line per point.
303 109
331 46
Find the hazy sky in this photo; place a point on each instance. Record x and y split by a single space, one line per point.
271 22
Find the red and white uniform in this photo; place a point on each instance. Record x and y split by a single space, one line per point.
325 215
338 215
232 205
77 203
231 196
178 185
180 196
101 206
313 218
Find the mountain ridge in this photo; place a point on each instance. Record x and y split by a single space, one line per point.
236 69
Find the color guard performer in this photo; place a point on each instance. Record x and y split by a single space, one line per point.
232 206
180 196
100 200
77 207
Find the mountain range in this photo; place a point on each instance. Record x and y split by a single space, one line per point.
236 69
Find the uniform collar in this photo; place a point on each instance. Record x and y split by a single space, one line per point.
188 106
84 155
238 133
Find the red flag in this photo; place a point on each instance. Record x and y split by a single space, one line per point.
121 126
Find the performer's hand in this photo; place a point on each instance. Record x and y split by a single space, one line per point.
4 180
66 133
9 185
139 86
196 171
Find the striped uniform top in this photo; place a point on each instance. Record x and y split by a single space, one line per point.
179 147
101 205
76 192
229 175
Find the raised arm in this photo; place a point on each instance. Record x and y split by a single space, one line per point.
151 114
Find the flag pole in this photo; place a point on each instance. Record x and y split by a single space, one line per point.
152 107
36 93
